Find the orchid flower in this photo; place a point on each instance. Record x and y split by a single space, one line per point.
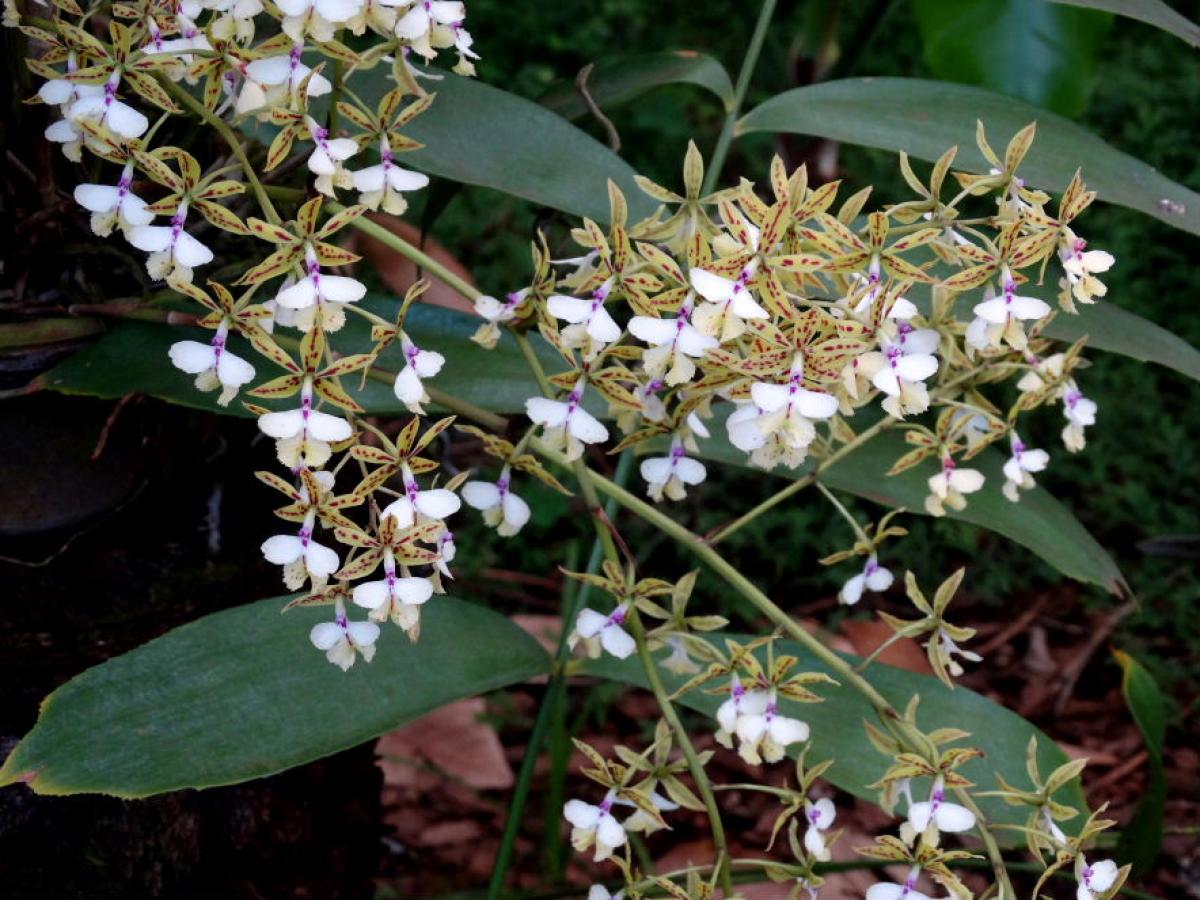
173 252
820 816
213 365
327 157
568 426
275 81
674 343
318 18
494 313
1019 466
671 474
873 577
999 319
929 817
591 327
763 737
104 109
595 825
728 305
418 364
416 506
1094 880
302 558
303 435
394 597
905 891
596 631
384 184
342 639
501 508
950 486
113 204
1081 266
317 292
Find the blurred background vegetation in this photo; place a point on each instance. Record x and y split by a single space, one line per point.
1135 487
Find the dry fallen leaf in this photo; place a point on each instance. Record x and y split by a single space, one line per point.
865 635
451 739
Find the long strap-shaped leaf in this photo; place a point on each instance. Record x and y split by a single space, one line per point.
241 694
1152 12
925 117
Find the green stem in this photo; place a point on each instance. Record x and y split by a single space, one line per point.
695 766
844 513
407 250
739 95
801 483
226 133
735 579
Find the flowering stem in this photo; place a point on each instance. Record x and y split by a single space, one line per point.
800 484
695 766
739 94
845 513
219 126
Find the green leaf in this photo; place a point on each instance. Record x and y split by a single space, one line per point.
242 693
1030 49
926 117
837 726
1038 522
478 134
1152 12
618 80
1142 839
132 357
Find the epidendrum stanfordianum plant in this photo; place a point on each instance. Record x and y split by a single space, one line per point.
779 317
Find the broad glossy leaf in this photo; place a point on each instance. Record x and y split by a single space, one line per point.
478 134
1039 522
1152 12
242 693
925 117
837 726
133 358
1142 839
618 80
1037 51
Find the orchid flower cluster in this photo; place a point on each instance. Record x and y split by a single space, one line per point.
227 64
776 318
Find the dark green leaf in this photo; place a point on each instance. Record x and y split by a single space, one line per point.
621 79
478 134
1036 51
837 726
926 117
242 693
1152 12
1142 838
